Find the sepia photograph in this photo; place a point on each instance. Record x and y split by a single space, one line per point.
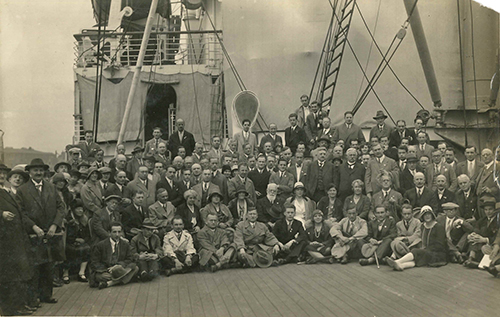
249 158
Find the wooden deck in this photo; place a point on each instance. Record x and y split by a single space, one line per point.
292 290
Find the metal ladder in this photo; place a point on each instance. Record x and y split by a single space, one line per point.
333 52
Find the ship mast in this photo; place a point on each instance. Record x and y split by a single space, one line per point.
138 69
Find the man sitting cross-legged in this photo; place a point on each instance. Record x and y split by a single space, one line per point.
291 236
408 233
112 260
381 232
251 236
178 248
216 250
146 247
347 234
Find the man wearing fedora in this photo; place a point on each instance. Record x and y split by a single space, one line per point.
147 250
216 250
112 260
347 234
136 161
39 200
62 167
381 129
381 231
251 236
101 221
178 248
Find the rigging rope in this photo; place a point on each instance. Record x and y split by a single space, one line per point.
462 70
474 66
96 96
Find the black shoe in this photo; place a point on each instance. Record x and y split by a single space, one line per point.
82 278
471 264
51 300
65 280
492 270
144 276
31 308
344 260
103 285
168 273
364 262
23 312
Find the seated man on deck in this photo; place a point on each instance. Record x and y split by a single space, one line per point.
252 236
408 233
347 234
216 250
381 231
456 230
270 208
178 248
147 250
291 236
112 260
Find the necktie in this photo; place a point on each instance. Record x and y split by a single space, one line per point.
114 256
385 194
470 168
290 226
39 188
350 227
205 186
407 225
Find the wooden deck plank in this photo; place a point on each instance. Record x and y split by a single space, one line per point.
102 296
110 302
152 301
128 308
195 298
163 295
141 300
173 296
81 301
231 281
76 293
184 297
62 293
213 304
120 301
217 285
253 293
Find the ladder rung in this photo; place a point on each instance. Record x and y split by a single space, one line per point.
333 71
336 57
340 43
326 100
345 16
343 29
327 87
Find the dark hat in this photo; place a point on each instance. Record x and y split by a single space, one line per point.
118 272
92 170
4 167
380 114
487 201
368 249
62 163
148 223
411 158
138 149
36 162
83 163
75 173
150 158
109 197
104 170
325 138
449 205
215 192
18 171
263 258
241 189
76 203
59 177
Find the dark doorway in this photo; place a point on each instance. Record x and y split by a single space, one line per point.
160 110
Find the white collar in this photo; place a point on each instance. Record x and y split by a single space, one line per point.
486 166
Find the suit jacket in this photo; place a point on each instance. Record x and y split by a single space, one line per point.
92 197
428 198
241 141
98 164
171 243
313 171
268 138
303 173
212 153
236 183
165 159
336 211
285 183
379 133
113 189
260 181
224 214
360 229
427 151
292 138
210 241
413 233
486 178
388 231
348 134
88 150
270 212
140 245
102 253
313 125
456 234
133 218
468 206
346 176
162 216
363 207
448 196
149 189
393 209
446 170
374 168
174 191
281 232
395 137
187 216
187 141
201 198
329 134
406 179
488 228
151 148
245 236
133 166
101 224
462 168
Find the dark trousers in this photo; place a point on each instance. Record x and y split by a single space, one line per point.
148 266
293 253
169 263
12 296
40 286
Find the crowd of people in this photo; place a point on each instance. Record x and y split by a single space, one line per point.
321 194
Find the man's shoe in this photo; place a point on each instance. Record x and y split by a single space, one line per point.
364 262
471 264
51 300
390 262
31 308
213 268
144 276
344 260
57 283
103 285
168 272
492 270
23 312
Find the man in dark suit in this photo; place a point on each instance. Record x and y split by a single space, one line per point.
185 183
327 130
406 176
348 131
349 170
135 162
151 146
422 147
100 223
471 166
381 129
320 174
170 184
89 147
181 138
112 260
45 212
466 198
401 132
456 231
291 236
314 122
270 137
485 182
298 168
270 208
219 179
120 165
133 216
420 195
443 194
119 187
260 177
294 134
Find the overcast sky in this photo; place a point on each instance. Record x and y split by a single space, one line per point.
36 69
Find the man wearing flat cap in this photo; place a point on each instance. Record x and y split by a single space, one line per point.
74 157
39 200
147 250
456 230
101 221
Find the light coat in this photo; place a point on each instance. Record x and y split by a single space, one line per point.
171 243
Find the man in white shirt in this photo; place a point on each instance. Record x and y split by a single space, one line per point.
178 248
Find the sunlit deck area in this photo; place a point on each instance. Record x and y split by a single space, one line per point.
292 290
